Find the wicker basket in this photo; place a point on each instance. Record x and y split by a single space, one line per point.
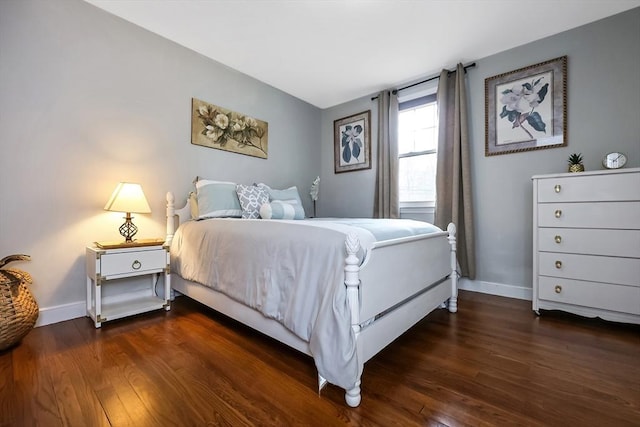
18 308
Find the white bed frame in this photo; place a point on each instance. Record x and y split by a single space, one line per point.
399 283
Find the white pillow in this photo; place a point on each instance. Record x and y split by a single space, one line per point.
217 199
251 198
281 210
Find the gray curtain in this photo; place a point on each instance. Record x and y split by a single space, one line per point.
386 203
453 178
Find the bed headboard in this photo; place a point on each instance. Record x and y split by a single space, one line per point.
175 217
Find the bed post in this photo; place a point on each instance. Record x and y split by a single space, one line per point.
352 282
453 301
171 218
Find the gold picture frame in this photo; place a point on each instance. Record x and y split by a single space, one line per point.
526 109
217 127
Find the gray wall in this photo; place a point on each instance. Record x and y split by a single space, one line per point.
88 100
603 115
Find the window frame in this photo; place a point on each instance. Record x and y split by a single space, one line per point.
424 206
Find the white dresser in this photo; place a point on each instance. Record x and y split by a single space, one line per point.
586 244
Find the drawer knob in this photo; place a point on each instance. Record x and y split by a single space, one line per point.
136 265
557 188
558 289
558 264
558 213
558 239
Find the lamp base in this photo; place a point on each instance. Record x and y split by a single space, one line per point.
128 229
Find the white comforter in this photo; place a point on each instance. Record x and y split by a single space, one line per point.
290 271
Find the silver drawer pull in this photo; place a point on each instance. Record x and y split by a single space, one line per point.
558 264
558 289
558 213
558 239
557 188
136 265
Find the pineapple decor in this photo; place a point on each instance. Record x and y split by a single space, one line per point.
575 163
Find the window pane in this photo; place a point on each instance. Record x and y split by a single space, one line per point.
417 178
418 136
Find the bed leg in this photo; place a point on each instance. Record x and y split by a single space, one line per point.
322 382
453 300
353 396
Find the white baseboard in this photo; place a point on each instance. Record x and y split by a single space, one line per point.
500 289
60 313
74 310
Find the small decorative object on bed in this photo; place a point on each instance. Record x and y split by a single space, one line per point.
351 140
18 308
575 163
354 304
217 127
315 190
526 109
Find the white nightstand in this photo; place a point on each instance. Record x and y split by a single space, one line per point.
119 263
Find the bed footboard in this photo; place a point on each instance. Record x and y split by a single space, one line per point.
430 285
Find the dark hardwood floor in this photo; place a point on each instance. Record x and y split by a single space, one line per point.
493 363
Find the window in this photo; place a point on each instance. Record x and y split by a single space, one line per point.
417 150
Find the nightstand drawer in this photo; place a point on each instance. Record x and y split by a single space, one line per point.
132 263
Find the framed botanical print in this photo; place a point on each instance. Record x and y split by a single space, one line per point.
351 141
526 109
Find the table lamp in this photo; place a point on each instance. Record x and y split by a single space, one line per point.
128 197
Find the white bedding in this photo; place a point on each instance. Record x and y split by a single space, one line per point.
290 271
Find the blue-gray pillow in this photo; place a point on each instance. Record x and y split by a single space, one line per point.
217 199
281 210
288 195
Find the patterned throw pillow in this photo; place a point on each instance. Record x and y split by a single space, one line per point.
251 198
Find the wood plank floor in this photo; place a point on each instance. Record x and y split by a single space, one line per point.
492 363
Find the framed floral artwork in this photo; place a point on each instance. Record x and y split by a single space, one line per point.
351 142
526 109
217 127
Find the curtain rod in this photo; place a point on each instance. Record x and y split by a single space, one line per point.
473 64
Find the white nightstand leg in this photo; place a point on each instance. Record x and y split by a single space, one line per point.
89 297
98 292
167 291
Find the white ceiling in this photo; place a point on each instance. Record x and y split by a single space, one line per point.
327 52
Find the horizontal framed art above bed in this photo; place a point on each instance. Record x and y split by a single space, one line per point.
337 290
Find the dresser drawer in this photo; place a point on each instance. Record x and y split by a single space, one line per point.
584 188
134 262
605 296
625 243
622 271
620 215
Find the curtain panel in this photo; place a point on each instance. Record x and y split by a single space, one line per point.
453 178
386 199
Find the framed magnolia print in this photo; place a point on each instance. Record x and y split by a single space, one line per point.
216 127
526 109
351 142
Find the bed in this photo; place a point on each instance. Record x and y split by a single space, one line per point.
385 284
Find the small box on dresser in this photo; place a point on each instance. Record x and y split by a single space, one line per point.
586 244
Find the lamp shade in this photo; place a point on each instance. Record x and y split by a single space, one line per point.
128 197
